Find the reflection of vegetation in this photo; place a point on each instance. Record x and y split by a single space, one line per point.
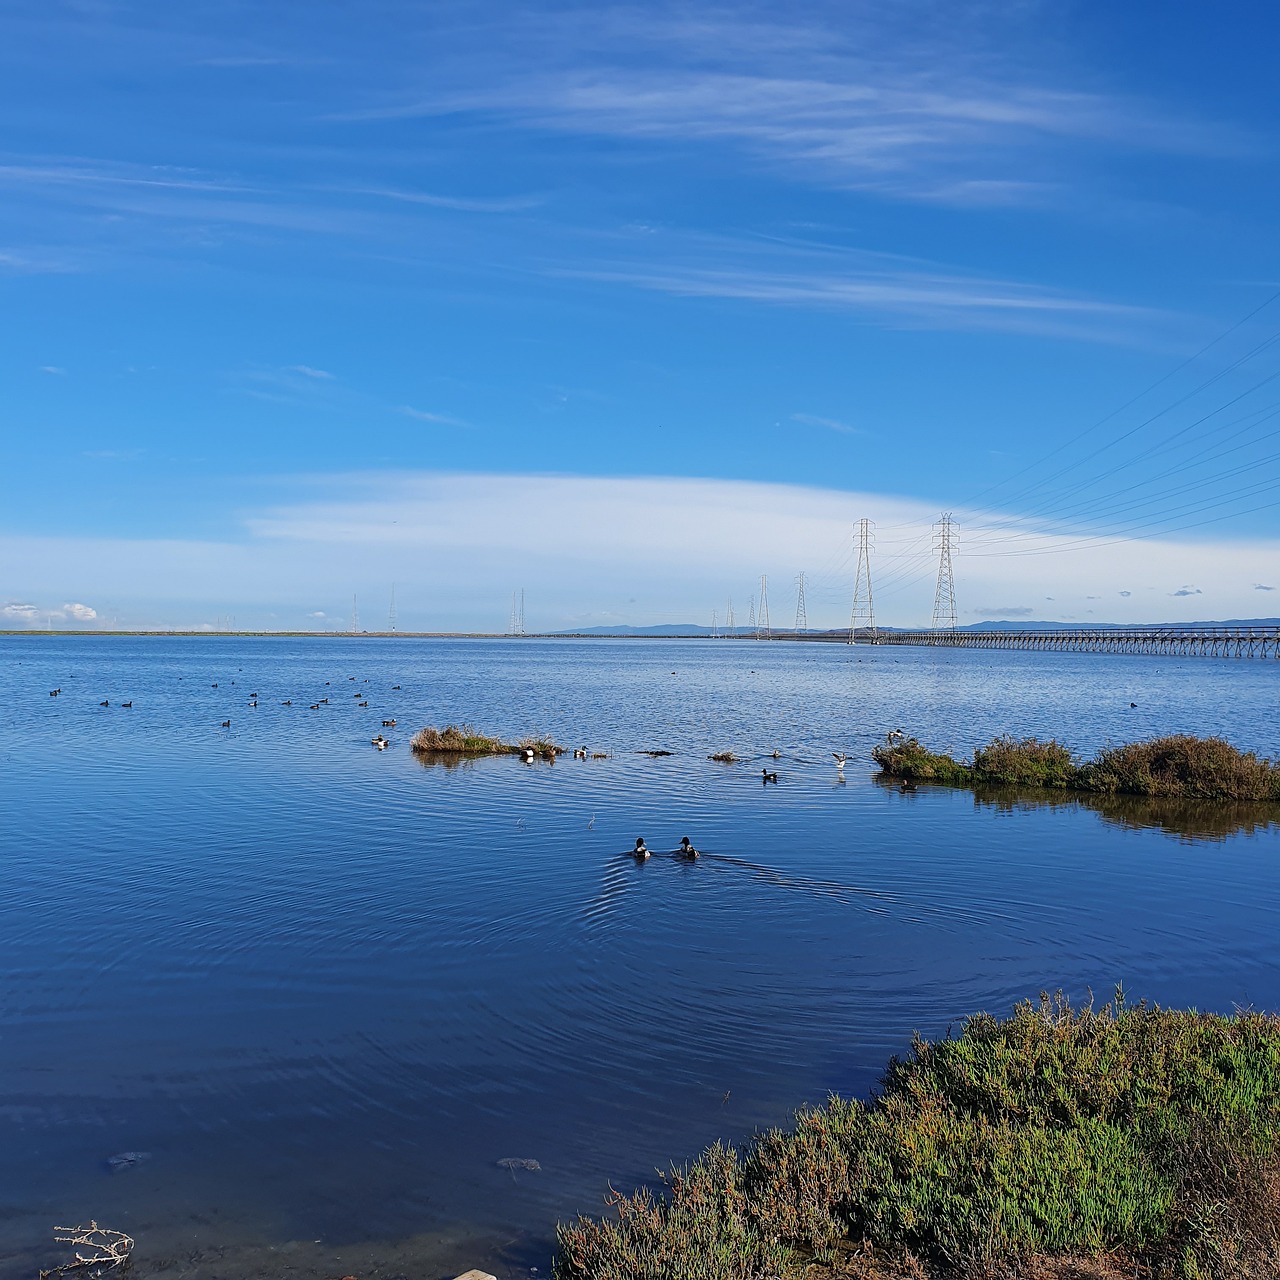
463 740
1193 819
1135 1140
1178 765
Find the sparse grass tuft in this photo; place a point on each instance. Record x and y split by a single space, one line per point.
463 740
1025 1145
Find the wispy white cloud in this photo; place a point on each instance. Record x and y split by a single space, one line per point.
53 370
308 372
831 424
676 545
874 286
946 106
422 415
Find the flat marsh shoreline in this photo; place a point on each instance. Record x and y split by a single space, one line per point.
1058 1142
1178 765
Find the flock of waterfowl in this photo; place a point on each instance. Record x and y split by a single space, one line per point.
381 742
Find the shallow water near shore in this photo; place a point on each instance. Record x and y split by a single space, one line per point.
328 989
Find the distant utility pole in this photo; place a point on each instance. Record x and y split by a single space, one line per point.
355 617
522 611
728 618
946 540
863 614
762 621
715 634
802 616
391 613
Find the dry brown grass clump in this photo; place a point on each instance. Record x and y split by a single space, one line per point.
1183 765
463 740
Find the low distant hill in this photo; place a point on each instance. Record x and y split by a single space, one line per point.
1006 624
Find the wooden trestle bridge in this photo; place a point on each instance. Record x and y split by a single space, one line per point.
1203 642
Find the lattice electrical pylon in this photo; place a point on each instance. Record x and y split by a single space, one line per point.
515 627
715 633
728 618
802 615
946 541
762 619
391 613
355 617
751 617
862 617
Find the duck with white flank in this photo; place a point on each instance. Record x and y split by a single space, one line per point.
641 851
686 850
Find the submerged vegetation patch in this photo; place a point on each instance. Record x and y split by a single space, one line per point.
1134 1135
464 740
1179 765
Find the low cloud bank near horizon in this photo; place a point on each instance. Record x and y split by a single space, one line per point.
598 551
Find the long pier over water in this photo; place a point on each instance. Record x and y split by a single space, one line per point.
1205 642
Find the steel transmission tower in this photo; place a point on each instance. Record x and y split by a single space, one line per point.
863 614
762 619
715 631
751 618
802 616
515 627
355 617
391 613
728 618
946 540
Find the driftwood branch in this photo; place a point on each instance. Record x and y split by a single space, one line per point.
107 1248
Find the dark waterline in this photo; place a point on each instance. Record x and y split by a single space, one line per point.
328 988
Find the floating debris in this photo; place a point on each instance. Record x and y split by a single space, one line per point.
125 1160
510 1162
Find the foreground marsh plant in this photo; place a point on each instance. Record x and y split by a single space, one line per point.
1130 1139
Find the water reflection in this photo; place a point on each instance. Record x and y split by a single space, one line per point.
1188 819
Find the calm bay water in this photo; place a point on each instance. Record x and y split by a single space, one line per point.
328 988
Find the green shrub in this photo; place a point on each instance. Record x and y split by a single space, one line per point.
1025 762
906 758
1180 766
1150 1133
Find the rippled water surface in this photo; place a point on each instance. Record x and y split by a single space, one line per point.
328 989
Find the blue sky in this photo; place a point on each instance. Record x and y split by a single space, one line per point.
627 305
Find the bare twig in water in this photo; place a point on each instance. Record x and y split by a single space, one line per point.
108 1248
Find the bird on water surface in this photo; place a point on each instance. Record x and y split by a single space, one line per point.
686 849
641 851
766 777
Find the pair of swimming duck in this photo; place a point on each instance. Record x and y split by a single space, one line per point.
686 850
